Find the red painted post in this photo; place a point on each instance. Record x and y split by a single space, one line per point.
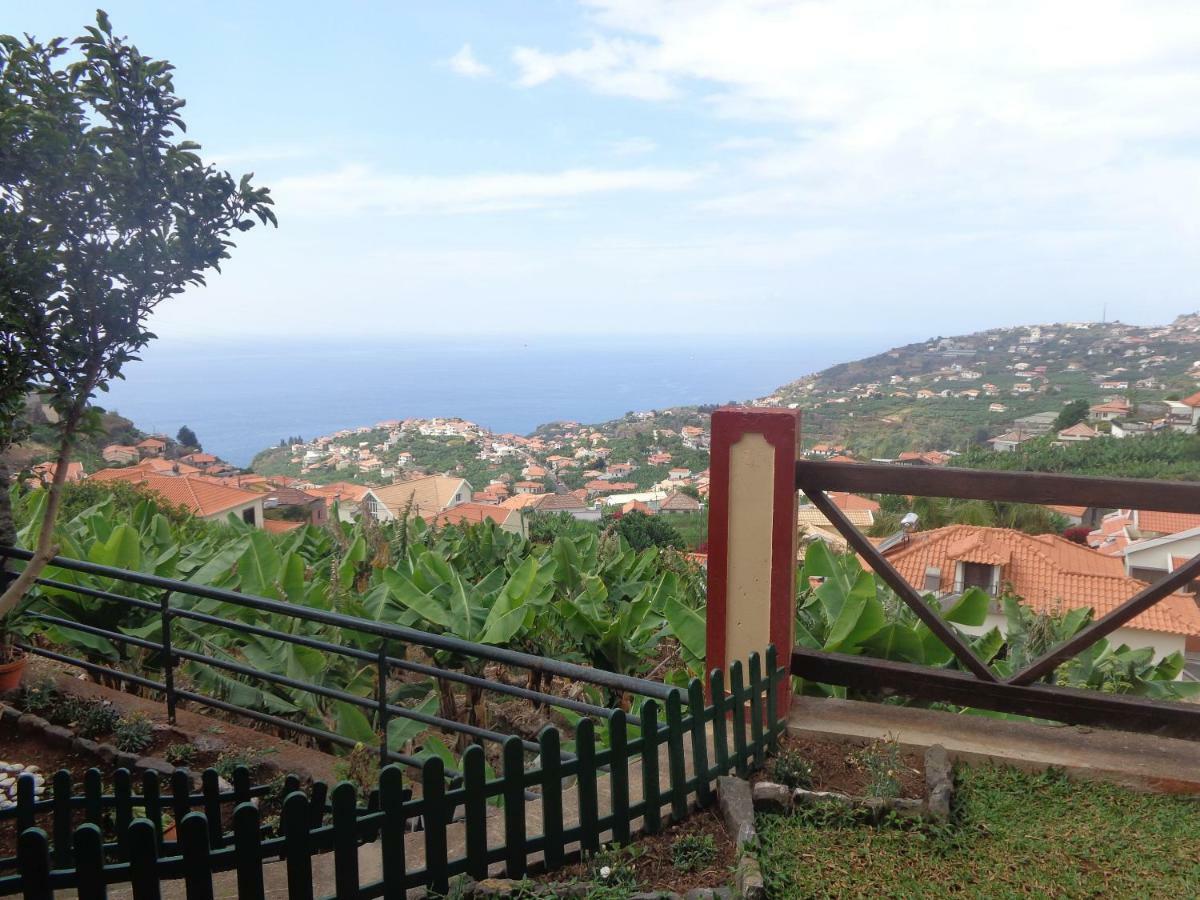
752 536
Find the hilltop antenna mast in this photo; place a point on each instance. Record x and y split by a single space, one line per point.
1104 313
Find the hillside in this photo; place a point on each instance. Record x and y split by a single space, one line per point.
946 393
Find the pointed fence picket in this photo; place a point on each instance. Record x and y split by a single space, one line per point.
140 855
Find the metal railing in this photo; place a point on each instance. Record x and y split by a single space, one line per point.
974 683
384 658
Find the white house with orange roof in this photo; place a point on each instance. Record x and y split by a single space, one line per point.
1050 574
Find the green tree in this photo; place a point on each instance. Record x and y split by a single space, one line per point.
104 213
187 438
643 531
1072 414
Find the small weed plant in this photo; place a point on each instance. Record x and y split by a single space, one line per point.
789 767
881 761
692 852
231 760
358 767
133 733
181 754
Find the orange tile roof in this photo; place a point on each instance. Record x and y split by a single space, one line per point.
844 501
201 497
1062 509
520 501
279 526
1050 573
340 490
1166 522
472 514
842 458
1193 400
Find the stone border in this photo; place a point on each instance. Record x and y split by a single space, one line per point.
935 807
64 737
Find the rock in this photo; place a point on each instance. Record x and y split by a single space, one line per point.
106 752
56 734
939 783
30 722
155 764
737 808
9 713
700 894
493 887
749 880
83 745
772 798
126 760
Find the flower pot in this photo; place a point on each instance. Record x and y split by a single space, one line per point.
11 671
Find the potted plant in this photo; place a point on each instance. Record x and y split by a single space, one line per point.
88 142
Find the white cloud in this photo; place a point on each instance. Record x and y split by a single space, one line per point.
1017 113
357 189
610 66
633 146
464 63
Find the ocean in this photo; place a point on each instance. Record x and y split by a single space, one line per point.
243 396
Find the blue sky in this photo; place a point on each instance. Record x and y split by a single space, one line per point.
820 167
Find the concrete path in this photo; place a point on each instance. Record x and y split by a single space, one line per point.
1137 761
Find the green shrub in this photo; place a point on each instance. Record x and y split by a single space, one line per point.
693 851
97 720
231 760
133 733
789 767
359 768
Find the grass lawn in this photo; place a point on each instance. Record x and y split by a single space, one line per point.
1015 835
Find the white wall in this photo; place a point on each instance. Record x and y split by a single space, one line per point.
1134 638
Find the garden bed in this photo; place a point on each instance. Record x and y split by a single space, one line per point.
845 767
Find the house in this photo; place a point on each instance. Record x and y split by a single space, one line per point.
997 408
529 487
424 497
464 514
151 466
293 504
564 503
678 503
43 473
1050 574
812 522
679 473
1078 432
200 460
203 498
120 454
658 459
1035 423
1109 410
151 446
637 506
1184 415
1022 387
1009 441
345 494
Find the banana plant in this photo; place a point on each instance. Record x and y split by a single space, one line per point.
494 610
843 608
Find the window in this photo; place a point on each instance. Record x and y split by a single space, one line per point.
977 575
933 579
248 516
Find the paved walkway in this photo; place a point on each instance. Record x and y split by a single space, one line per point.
1141 762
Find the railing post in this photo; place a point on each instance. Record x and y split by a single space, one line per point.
752 535
168 656
381 664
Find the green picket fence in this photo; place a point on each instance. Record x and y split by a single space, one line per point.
744 722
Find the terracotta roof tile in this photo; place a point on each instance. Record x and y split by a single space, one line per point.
1050 573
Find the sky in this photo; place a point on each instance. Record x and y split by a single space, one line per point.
716 167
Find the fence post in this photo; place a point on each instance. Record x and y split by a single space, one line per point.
194 848
62 819
247 842
552 796
618 781
475 811
168 655
33 860
652 816
513 773
381 664
391 840
699 741
676 764
752 535
345 839
585 784
433 806
89 863
297 847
